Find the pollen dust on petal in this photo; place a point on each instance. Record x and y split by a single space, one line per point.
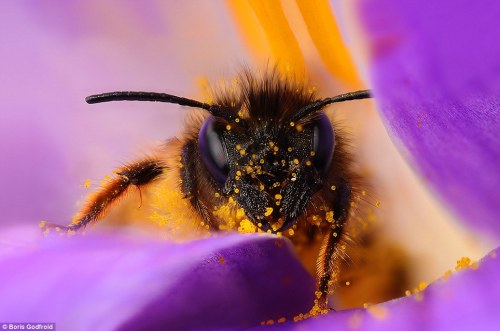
378 312
418 292
466 263
316 310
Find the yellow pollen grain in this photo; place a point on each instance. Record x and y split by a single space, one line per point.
238 173
236 190
271 144
278 196
292 123
276 148
407 293
335 234
237 177
269 211
238 147
217 194
348 283
289 149
296 161
105 180
377 204
312 153
299 128
86 184
278 203
261 187
243 152
261 161
422 286
237 120
240 212
363 192
291 232
463 263
228 127
447 274
247 227
308 163
333 187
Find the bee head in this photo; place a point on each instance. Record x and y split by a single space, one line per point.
272 150
271 168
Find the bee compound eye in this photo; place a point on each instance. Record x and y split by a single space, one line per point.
323 143
213 151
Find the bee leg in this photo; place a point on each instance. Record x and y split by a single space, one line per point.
98 204
190 179
326 266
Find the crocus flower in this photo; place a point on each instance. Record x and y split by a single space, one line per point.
434 72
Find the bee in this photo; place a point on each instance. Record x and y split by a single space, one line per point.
269 150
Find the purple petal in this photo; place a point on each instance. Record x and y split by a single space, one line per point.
117 282
467 300
435 70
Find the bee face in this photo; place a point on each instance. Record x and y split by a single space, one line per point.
270 164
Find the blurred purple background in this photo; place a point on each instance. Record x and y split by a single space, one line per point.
55 53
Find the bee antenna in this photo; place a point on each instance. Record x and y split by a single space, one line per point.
363 94
215 110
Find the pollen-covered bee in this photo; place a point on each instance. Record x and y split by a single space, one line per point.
266 150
